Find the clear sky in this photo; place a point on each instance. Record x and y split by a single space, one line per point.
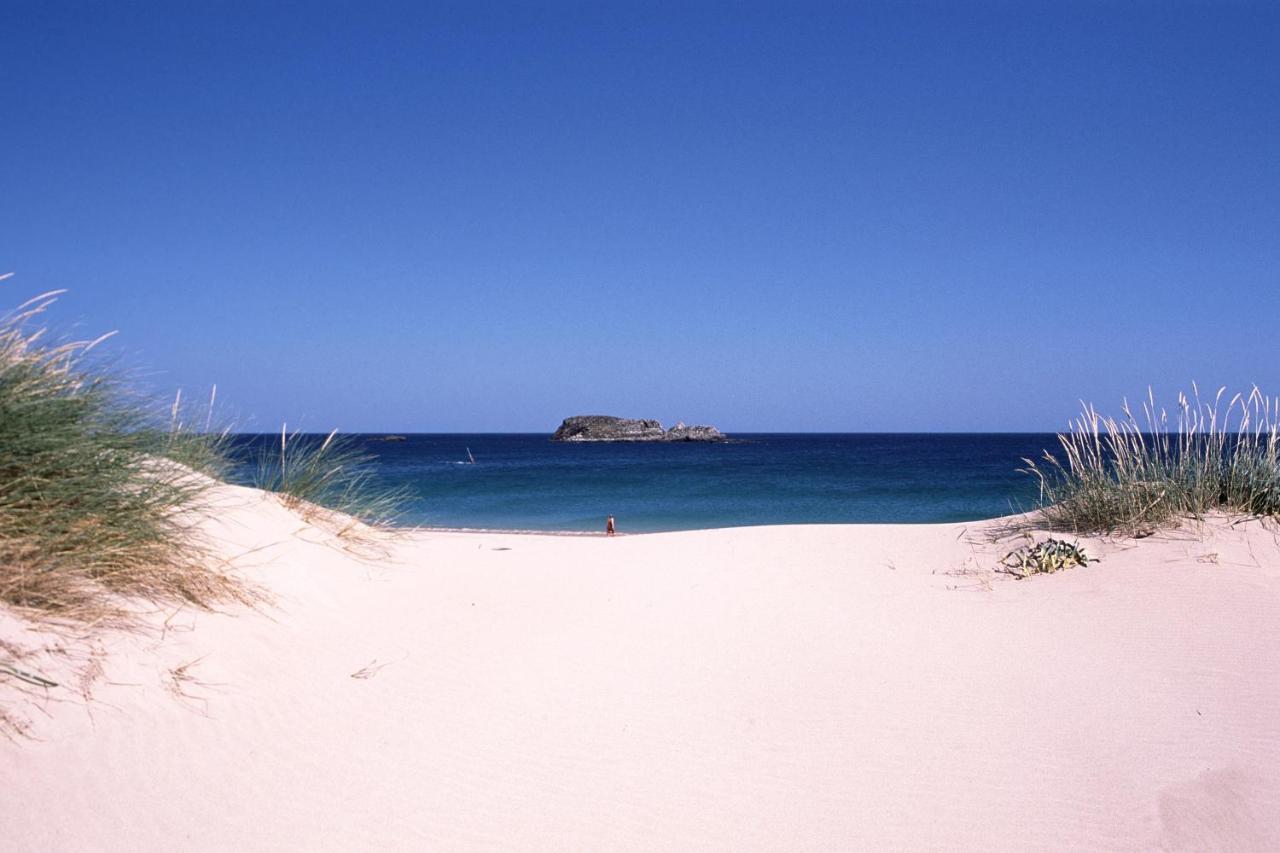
854 216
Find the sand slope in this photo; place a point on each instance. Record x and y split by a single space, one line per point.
784 688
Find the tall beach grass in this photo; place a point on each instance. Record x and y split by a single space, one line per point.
327 478
1130 476
103 494
91 508
102 490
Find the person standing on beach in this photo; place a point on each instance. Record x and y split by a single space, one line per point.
608 526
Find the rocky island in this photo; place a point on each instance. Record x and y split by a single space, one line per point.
607 428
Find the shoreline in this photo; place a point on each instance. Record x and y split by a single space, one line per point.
588 534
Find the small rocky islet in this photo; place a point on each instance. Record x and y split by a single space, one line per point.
609 428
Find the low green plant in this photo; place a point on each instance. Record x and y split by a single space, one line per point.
1047 557
1116 475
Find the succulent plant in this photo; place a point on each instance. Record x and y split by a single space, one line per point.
1051 555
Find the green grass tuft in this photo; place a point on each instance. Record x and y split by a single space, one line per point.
190 438
311 472
102 491
90 509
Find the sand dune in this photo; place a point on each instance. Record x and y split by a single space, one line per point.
772 688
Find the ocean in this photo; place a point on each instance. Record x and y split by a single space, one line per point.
526 482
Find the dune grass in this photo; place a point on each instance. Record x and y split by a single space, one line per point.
90 510
330 473
191 439
103 493
102 490
1120 475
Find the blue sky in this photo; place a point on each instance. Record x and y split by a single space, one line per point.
900 216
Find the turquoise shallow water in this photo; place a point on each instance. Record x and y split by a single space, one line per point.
526 482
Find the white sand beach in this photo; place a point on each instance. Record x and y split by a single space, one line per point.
865 687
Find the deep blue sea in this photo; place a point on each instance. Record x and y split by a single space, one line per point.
526 482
